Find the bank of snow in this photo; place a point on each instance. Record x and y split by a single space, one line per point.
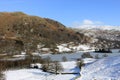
103 69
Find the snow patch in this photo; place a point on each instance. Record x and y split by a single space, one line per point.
68 47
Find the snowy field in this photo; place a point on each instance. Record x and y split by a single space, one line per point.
107 68
102 69
77 55
37 74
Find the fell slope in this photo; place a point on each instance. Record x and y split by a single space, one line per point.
20 32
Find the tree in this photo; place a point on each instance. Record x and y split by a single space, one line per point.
1 76
52 67
57 67
64 58
48 60
46 64
44 67
105 55
86 55
96 56
80 63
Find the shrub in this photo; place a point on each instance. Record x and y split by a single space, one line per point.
104 55
64 58
56 67
96 56
1 76
86 55
53 67
44 67
80 63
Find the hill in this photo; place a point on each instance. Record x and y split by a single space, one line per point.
22 32
109 38
103 69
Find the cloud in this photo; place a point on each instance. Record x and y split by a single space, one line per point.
90 24
87 22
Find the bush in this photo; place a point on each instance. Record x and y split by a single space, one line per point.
96 56
64 58
53 67
86 55
1 76
56 67
104 55
44 67
80 63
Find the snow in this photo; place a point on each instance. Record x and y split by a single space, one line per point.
77 55
40 46
37 74
45 49
82 47
102 69
62 49
35 54
68 47
70 67
36 64
95 69
19 55
23 53
25 74
88 60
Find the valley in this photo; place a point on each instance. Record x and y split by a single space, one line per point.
36 48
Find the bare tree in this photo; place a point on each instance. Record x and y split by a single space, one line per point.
86 55
104 55
46 64
80 63
44 67
48 61
57 67
64 58
52 67
96 56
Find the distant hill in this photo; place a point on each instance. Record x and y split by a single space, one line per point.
22 32
109 38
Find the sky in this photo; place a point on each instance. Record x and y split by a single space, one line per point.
71 13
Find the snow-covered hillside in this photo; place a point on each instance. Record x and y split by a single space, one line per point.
104 27
103 69
108 38
112 34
